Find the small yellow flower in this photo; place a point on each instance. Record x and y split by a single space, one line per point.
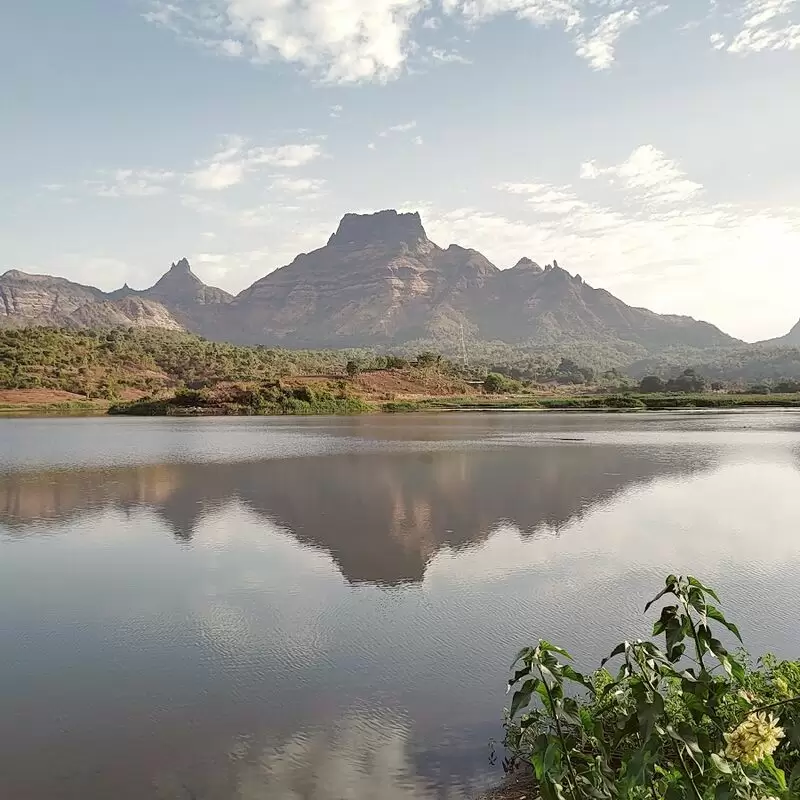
755 739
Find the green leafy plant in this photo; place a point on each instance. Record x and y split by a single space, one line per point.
688 720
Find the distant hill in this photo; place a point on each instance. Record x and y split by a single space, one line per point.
378 282
791 339
175 302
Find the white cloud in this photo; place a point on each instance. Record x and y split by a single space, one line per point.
304 186
597 47
717 41
403 127
230 166
438 54
354 41
336 111
544 197
370 145
594 25
767 25
342 41
131 183
418 140
658 242
218 175
650 173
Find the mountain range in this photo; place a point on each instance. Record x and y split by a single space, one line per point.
379 281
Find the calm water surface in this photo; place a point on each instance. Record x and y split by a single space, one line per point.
326 609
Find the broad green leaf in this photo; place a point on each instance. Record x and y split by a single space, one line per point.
617 651
577 677
724 791
648 713
522 653
778 774
551 648
715 614
522 696
548 676
518 675
696 583
794 778
661 594
721 764
552 758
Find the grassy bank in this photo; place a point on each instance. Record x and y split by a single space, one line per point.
616 402
342 396
235 400
67 409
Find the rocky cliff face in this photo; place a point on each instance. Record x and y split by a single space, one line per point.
178 300
181 288
378 281
381 280
40 299
127 312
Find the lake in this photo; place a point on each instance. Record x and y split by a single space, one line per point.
326 609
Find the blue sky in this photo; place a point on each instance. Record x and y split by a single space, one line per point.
649 145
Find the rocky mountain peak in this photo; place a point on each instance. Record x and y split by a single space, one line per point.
526 264
182 267
384 228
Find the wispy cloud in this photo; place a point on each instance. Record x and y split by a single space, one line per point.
402 127
656 240
302 186
545 197
597 46
352 41
341 41
650 173
765 25
131 183
230 165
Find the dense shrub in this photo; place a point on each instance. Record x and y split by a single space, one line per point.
686 721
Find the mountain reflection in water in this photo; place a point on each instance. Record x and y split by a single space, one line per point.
326 609
381 516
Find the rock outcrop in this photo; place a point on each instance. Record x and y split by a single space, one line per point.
126 312
378 281
27 299
176 301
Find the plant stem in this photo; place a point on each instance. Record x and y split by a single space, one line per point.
688 774
572 775
694 634
774 705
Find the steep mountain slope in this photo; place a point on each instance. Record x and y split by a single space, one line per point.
127 312
550 306
792 339
178 300
381 280
41 299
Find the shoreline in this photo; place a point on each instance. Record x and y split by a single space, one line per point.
585 404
